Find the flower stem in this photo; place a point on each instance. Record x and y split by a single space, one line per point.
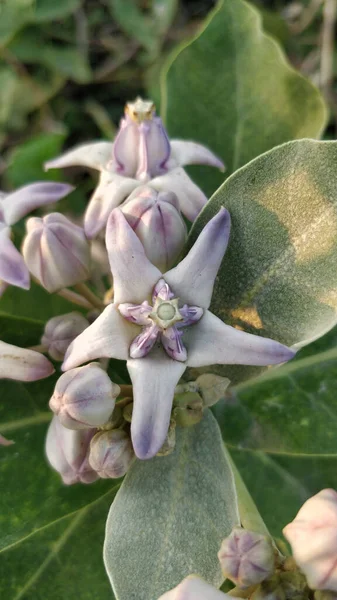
74 298
126 390
249 514
39 348
83 289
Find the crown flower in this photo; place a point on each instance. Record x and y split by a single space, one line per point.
160 324
141 152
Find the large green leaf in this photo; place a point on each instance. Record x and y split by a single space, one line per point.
278 277
170 516
51 535
280 484
287 410
232 89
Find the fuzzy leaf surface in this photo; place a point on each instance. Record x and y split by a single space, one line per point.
232 89
170 516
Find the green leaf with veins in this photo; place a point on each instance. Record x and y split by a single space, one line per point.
232 89
51 534
170 516
278 276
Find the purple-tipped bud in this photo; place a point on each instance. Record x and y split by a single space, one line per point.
155 218
111 453
246 557
313 539
84 397
56 252
67 451
60 331
141 148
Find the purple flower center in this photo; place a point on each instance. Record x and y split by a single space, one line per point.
164 322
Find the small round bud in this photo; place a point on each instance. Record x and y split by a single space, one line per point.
188 409
67 451
84 397
193 588
56 252
127 412
111 453
313 539
155 218
60 331
246 557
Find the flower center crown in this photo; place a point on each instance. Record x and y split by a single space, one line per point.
164 321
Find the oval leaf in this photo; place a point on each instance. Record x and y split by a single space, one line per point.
278 277
170 516
233 90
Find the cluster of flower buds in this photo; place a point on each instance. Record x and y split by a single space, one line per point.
86 438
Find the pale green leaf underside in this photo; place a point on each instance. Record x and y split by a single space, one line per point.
233 90
170 516
278 277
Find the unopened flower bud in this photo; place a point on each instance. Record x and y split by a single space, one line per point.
246 557
84 397
155 218
60 331
111 453
56 252
193 588
141 148
313 539
67 452
188 409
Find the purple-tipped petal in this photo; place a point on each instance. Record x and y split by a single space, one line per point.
22 364
191 314
191 198
191 153
162 290
136 313
28 198
126 148
13 269
95 155
172 342
109 336
134 275
211 342
144 342
154 379
193 278
110 192
154 149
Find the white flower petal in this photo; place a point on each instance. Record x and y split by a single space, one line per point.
211 342
134 275
21 202
95 155
191 198
190 153
154 378
109 336
193 588
111 191
22 364
193 278
13 269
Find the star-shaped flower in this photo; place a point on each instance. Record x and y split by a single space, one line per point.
140 153
13 207
178 331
